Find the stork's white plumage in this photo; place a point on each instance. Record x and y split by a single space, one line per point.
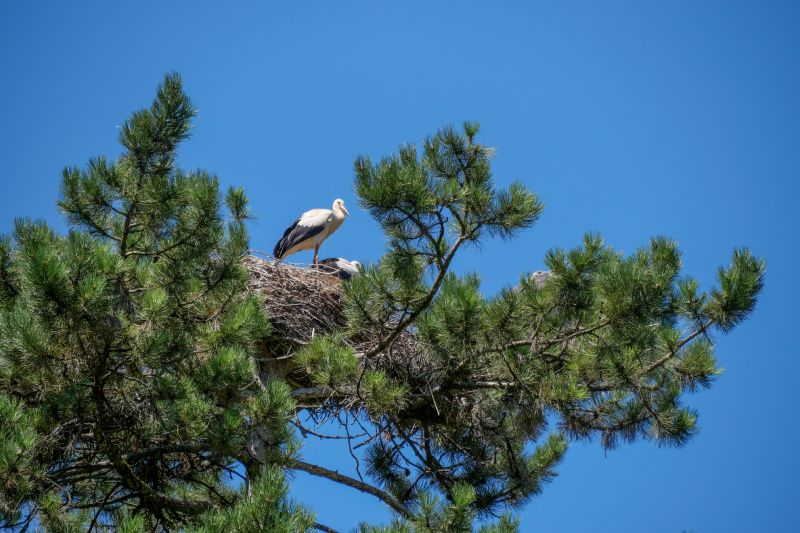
310 230
341 267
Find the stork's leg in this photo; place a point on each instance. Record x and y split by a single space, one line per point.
316 255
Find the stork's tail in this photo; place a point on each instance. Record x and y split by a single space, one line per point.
279 249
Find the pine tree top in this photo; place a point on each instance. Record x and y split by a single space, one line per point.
143 362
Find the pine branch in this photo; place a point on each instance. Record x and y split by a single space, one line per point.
323 527
316 393
607 387
701 330
423 304
319 471
126 228
101 507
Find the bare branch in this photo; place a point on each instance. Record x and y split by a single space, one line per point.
333 475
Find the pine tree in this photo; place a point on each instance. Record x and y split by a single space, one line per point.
134 386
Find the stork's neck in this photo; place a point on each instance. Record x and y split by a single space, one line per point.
338 214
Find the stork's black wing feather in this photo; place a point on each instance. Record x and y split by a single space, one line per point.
331 265
293 235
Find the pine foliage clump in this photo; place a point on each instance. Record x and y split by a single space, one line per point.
150 380
126 346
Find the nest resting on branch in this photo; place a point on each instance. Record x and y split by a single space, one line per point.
303 302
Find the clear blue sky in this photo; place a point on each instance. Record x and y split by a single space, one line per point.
632 119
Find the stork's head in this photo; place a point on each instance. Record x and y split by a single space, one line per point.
356 264
338 205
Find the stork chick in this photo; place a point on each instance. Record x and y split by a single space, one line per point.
341 267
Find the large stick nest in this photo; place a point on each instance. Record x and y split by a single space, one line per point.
303 302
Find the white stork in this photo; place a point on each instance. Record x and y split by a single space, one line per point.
308 231
540 277
341 267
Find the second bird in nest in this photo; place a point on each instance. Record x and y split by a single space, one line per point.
341 267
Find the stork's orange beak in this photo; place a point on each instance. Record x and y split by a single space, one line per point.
346 212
